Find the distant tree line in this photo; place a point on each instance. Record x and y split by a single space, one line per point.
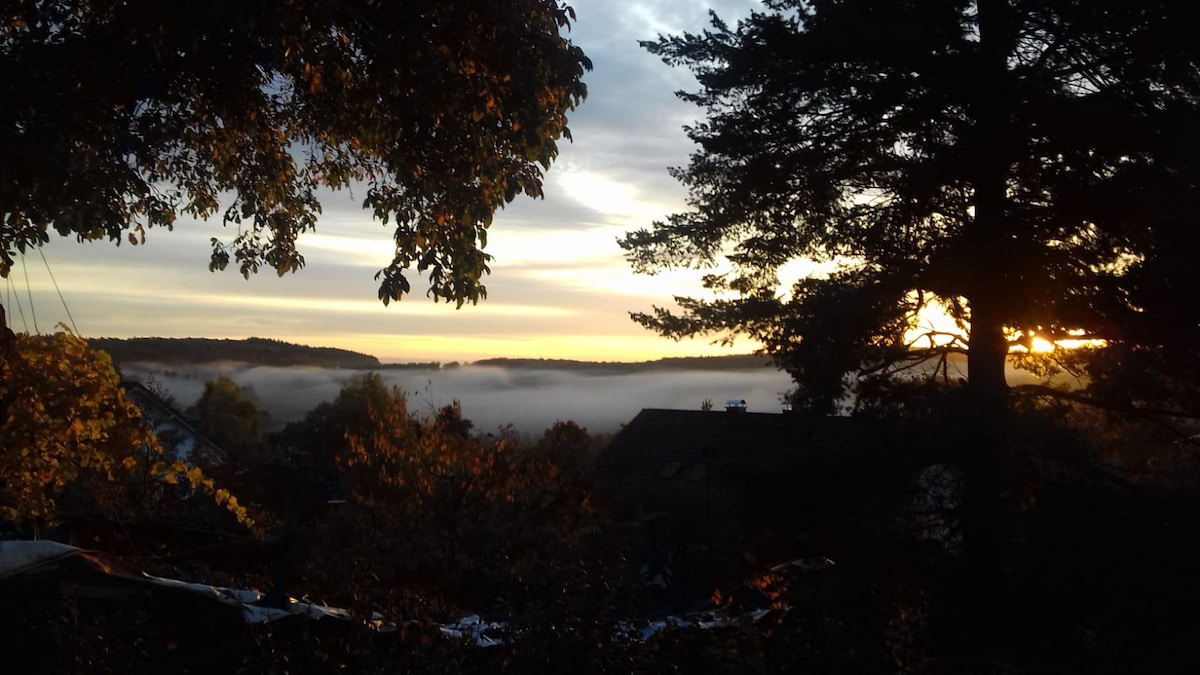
259 351
725 362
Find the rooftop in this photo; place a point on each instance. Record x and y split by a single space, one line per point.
660 441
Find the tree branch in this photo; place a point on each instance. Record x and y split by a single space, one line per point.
1126 408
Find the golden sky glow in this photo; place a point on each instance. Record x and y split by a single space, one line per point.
306 304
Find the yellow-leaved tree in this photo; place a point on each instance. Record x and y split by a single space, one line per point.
66 422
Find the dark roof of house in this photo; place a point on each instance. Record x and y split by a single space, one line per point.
657 441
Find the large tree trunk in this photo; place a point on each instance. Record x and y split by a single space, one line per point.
984 445
984 448
984 455
988 238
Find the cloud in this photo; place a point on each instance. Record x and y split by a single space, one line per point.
560 283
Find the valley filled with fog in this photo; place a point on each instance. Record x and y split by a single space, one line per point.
530 399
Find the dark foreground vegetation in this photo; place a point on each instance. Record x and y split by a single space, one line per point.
836 556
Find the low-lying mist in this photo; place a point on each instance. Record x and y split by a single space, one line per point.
529 399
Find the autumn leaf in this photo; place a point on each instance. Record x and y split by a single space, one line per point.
70 420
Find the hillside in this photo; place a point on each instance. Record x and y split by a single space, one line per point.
268 352
732 362
259 351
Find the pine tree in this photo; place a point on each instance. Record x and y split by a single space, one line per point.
1032 166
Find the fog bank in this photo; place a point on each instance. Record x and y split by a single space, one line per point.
529 399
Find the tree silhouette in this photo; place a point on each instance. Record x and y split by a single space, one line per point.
227 414
1024 164
1030 166
122 117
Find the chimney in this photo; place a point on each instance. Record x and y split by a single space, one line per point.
735 405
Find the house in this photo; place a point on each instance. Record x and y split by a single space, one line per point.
169 517
718 493
685 446
179 437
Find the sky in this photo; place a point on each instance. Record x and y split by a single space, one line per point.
559 286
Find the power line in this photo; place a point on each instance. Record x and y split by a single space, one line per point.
20 309
59 291
29 292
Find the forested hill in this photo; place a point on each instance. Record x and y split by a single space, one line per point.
268 352
731 362
261 351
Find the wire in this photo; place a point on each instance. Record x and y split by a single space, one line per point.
20 309
59 291
29 292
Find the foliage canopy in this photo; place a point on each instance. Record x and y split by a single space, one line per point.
119 117
1031 166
